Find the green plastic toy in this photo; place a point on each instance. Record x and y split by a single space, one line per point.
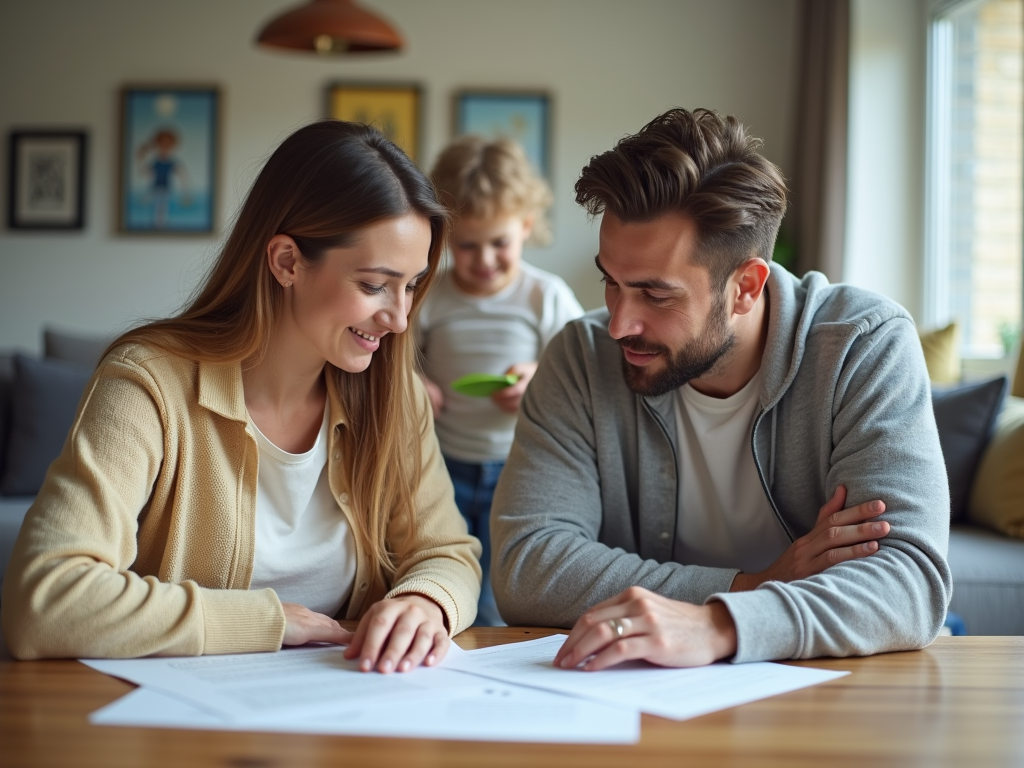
483 384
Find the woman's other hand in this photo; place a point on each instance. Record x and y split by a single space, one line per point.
305 626
399 634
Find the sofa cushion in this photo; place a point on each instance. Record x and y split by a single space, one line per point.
84 350
997 499
1018 377
6 388
988 580
12 514
965 416
942 353
44 401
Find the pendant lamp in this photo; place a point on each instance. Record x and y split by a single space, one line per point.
331 27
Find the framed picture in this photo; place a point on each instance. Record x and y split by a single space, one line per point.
394 108
524 116
169 138
47 180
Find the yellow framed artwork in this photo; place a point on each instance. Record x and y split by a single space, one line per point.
394 108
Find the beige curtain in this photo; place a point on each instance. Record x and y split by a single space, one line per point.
816 221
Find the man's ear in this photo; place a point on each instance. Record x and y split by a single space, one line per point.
747 284
283 259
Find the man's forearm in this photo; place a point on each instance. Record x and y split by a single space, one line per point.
744 582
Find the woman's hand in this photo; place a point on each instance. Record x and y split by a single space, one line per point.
302 626
508 399
399 634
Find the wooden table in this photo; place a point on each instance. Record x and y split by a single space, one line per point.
959 702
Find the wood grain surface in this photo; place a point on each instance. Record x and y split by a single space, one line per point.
959 702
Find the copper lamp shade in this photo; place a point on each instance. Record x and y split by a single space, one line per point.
331 26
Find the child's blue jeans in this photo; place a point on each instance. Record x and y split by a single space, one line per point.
474 490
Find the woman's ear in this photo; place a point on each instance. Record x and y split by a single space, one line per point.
283 259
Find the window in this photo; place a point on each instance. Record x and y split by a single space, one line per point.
975 271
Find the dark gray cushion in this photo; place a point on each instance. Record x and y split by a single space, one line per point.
84 350
966 416
44 401
6 389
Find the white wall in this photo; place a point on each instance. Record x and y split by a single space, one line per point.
611 66
885 203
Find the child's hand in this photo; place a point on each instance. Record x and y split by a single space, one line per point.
400 633
508 399
435 394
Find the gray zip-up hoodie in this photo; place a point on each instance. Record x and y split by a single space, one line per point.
587 503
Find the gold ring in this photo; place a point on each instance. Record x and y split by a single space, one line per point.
618 627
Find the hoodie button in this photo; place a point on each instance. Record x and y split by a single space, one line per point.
663 535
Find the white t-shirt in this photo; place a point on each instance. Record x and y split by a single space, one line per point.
305 550
724 517
461 334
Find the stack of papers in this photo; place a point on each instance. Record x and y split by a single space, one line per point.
504 693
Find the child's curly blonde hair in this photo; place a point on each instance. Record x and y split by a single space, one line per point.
491 179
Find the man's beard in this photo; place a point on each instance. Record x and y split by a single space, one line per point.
691 362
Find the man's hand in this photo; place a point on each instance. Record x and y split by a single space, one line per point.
399 634
839 535
435 394
508 399
302 626
639 624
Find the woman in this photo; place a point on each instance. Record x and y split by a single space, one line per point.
240 473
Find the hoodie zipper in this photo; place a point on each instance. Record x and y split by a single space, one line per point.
760 475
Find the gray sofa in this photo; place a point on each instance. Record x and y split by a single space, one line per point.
38 400
39 396
13 507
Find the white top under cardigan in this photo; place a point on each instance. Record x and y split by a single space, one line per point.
305 550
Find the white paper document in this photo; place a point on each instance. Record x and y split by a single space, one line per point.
458 706
252 686
505 693
675 693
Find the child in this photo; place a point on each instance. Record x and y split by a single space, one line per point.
490 313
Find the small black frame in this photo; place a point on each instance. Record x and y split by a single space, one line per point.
46 179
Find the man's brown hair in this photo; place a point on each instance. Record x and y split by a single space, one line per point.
701 165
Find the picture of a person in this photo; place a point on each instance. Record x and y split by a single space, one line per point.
162 165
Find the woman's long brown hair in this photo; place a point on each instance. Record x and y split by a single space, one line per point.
321 186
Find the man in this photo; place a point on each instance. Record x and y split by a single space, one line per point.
699 471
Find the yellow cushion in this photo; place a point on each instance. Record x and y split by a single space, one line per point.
1018 378
997 498
942 354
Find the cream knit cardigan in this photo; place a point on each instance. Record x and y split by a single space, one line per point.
141 539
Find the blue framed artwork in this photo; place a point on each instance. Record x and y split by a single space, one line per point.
168 159
524 116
